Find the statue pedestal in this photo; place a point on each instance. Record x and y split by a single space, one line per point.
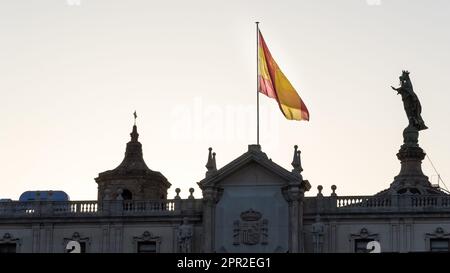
410 137
411 178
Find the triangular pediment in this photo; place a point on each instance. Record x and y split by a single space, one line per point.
251 168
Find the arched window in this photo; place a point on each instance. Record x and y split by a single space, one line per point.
127 195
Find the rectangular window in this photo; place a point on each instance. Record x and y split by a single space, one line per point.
8 248
361 245
439 245
82 247
146 247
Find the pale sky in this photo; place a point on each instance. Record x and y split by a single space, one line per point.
72 75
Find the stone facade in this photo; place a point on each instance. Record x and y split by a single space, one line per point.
249 205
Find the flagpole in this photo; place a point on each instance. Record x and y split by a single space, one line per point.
257 83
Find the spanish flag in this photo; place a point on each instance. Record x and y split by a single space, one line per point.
274 84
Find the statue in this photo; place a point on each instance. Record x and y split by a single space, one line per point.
411 102
184 237
119 194
318 231
411 179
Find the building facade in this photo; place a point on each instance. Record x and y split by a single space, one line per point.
249 205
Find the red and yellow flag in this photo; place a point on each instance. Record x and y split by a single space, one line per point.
274 84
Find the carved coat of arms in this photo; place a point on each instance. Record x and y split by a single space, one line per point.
251 229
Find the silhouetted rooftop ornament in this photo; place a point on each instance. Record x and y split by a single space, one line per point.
134 134
411 102
411 179
296 161
211 163
191 193
177 191
333 189
320 188
133 162
132 179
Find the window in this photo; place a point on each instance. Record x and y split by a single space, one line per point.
8 248
127 195
438 241
439 245
146 243
82 247
358 241
9 244
361 245
146 247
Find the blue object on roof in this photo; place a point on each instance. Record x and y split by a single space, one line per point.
44 196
